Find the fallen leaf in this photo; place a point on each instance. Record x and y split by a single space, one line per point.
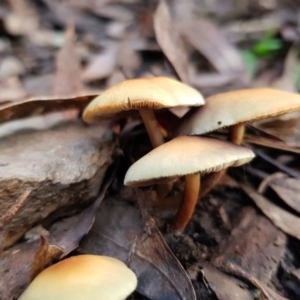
11 90
68 232
270 143
10 67
38 106
287 81
288 189
45 255
284 220
226 287
115 12
68 68
128 60
170 41
101 65
237 271
205 80
119 232
205 36
23 20
253 245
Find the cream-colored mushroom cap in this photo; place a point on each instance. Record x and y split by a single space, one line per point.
237 107
186 155
154 93
83 277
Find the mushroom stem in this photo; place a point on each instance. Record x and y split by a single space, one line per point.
236 136
152 128
188 202
237 133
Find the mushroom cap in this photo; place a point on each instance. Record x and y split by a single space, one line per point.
186 155
83 277
154 93
227 109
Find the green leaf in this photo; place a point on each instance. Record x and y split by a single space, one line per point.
267 47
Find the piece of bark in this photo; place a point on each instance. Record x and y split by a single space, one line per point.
255 245
64 166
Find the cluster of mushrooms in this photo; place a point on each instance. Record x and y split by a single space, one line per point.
186 154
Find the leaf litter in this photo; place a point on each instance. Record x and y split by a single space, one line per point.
207 54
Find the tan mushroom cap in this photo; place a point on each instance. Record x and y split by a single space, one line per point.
83 277
237 107
154 93
186 155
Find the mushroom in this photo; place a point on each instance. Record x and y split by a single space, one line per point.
233 109
186 156
83 277
144 95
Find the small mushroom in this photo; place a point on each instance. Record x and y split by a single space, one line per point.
83 277
186 156
144 95
234 109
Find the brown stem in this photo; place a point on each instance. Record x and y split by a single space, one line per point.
237 133
188 202
152 128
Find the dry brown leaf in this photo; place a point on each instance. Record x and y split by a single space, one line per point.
102 65
237 271
205 36
288 189
170 41
11 90
255 245
128 59
287 81
115 12
270 143
43 105
45 255
284 220
23 20
11 66
120 232
225 287
68 68
206 80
